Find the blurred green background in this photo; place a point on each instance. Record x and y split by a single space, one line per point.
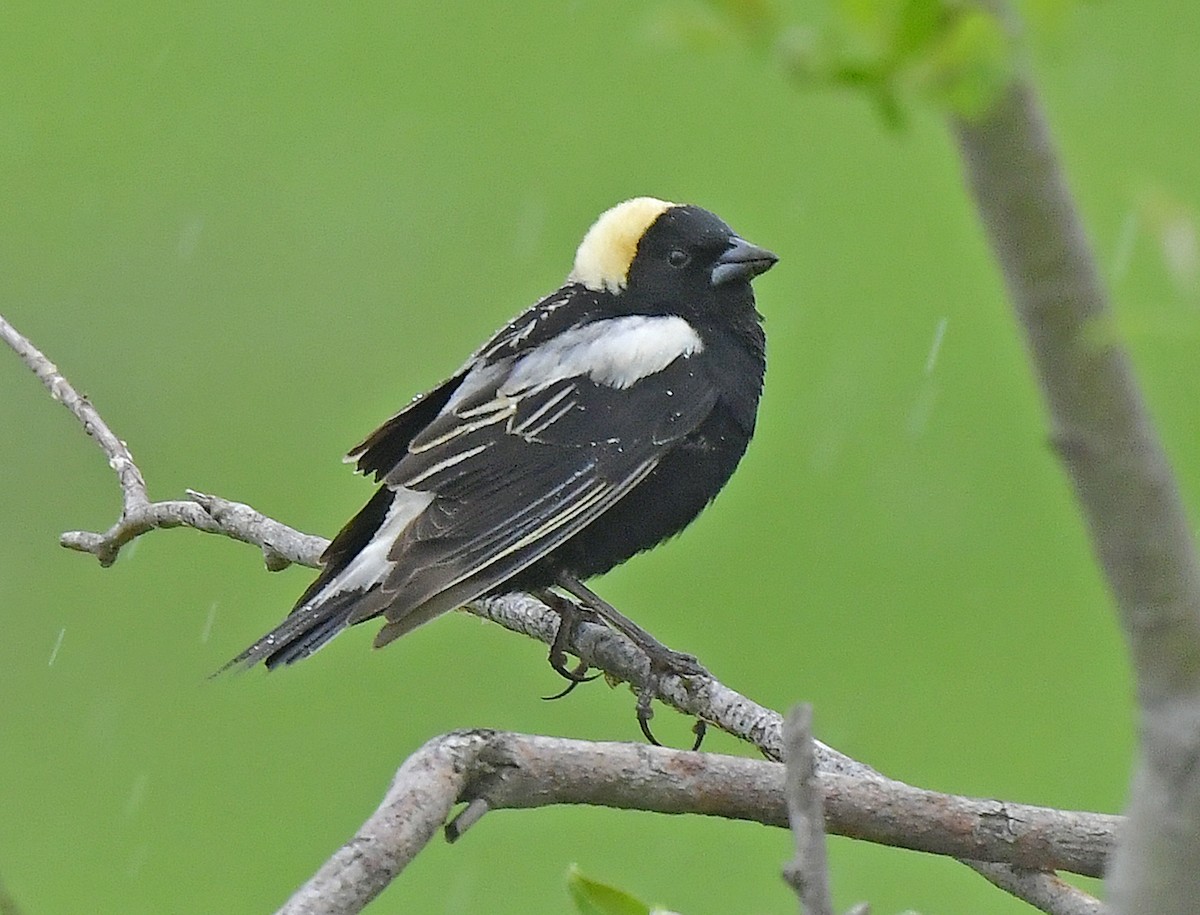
250 231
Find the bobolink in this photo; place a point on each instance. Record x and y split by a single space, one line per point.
593 426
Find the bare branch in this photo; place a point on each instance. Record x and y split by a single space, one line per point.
602 648
280 544
808 871
1046 892
1121 476
702 696
133 487
968 832
493 770
1042 838
413 810
964 829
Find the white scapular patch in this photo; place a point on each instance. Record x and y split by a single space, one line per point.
372 564
603 259
617 352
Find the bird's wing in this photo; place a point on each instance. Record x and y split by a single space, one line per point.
523 452
516 476
380 451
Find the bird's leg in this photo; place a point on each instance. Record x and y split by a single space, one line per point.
569 616
662 659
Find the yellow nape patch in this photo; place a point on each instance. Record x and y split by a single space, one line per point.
603 259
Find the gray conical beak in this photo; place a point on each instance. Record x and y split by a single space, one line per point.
741 261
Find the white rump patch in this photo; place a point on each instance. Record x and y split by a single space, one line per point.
372 564
603 259
617 352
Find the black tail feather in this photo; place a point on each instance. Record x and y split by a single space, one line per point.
322 611
305 630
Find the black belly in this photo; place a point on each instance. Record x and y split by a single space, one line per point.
659 507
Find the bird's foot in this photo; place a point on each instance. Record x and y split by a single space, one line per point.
663 661
570 616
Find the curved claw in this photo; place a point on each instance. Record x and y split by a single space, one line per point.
573 678
645 713
700 728
645 726
564 692
663 660
569 617
575 674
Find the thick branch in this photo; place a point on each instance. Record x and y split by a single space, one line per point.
1122 479
1120 472
495 770
415 807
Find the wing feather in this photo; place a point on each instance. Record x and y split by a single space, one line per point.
520 495
386 446
482 478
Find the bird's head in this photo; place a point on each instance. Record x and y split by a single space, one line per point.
664 252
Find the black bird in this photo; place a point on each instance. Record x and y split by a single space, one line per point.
593 426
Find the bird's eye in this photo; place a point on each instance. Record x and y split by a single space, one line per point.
678 258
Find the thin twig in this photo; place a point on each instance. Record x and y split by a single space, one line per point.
808 872
133 487
280 544
701 696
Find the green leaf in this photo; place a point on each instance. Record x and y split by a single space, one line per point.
972 64
594 898
918 25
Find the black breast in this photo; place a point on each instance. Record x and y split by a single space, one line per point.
680 487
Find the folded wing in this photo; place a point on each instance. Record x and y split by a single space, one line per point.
488 474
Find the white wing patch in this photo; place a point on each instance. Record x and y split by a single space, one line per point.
618 352
371 565
603 258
